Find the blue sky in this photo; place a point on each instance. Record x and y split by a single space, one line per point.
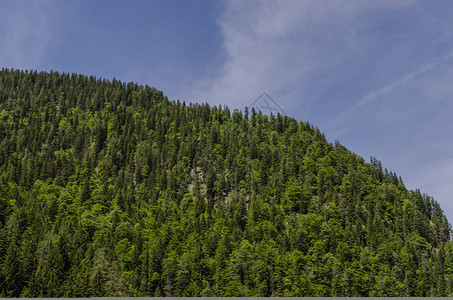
376 75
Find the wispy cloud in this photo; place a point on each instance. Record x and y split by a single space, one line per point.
280 46
374 95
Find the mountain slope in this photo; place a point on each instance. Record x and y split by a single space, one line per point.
110 189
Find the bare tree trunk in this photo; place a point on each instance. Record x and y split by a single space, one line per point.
169 288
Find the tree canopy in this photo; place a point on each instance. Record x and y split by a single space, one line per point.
108 188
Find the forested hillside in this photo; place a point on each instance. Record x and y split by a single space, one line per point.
110 189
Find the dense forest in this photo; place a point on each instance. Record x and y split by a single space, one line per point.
109 189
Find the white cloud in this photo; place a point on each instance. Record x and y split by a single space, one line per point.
279 46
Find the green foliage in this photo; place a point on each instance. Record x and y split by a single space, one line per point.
110 189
